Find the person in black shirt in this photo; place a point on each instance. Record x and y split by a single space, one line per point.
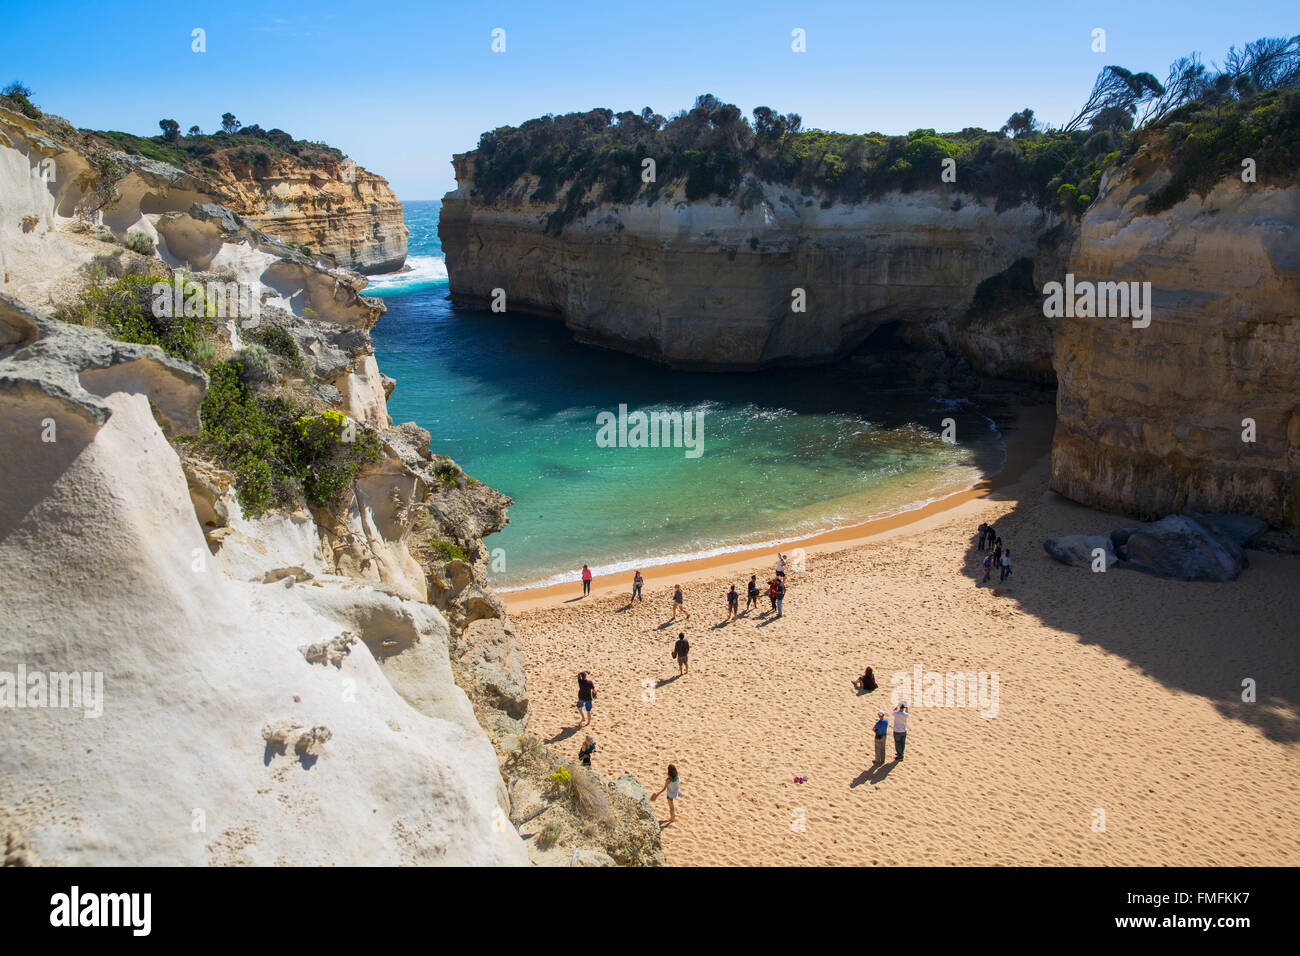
680 651
586 694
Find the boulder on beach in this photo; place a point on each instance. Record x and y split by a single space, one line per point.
1079 549
1181 547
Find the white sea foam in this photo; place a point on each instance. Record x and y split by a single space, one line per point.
422 272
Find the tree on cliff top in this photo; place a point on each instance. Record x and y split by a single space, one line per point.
171 129
229 123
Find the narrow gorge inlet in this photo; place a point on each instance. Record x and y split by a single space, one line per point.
684 437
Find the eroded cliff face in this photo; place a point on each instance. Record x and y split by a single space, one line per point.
336 208
715 284
1151 420
125 553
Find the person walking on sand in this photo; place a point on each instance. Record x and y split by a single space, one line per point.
586 694
997 554
1006 564
780 595
866 683
671 788
637 583
588 748
586 580
881 727
988 567
988 540
984 533
753 592
677 602
733 603
900 729
682 650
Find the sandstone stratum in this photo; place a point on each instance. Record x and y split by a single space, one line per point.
239 658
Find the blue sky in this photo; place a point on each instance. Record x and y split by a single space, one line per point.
401 86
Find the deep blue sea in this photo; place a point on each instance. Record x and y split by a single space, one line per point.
784 453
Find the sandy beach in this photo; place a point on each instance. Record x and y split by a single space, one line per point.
1115 734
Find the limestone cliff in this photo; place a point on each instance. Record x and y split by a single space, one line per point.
319 661
716 283
1151 420
333 207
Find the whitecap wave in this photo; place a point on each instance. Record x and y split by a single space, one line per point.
423 272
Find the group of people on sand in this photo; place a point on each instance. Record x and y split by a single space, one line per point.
587 695
990 543
680 653
775 589
865 685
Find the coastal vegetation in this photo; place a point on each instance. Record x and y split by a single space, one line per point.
579 160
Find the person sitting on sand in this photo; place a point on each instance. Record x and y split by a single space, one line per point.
588 748
733 603
637 583
681 651
753 592
671 787
867 682
677 602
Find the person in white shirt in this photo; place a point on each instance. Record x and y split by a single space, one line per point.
1006 564
900 729
780 565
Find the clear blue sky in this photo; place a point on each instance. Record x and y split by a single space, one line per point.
400 86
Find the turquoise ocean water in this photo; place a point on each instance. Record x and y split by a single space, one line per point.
786 453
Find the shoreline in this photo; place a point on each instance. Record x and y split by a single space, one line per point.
1028 439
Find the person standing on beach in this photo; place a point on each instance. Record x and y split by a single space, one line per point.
586 580
780 565
671 788
681 651
780 595
990 535
984 533
733 603
753 592
771 592
988 566
677 602
586 694
588 748
637 583
997 554
1006 564
881 727
900 729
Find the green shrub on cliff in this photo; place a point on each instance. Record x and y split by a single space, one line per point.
276 447
446 550
125 309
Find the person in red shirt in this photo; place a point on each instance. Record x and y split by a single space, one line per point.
586 580
772 587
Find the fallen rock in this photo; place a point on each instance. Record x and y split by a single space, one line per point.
279 574
1078 549
1182 548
